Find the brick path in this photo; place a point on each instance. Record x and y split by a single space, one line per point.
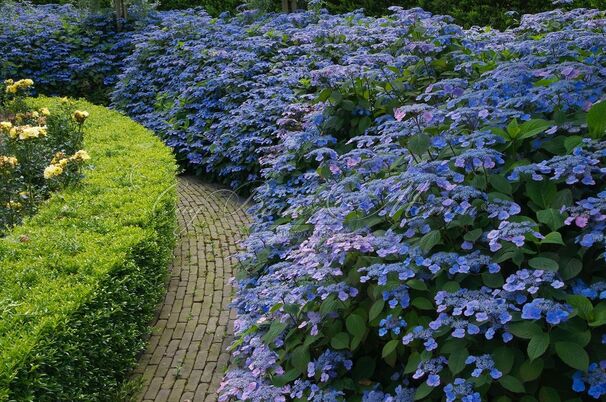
186 356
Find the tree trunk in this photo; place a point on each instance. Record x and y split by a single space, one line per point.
121 14
289 6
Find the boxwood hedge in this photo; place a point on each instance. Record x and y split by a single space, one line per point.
80 280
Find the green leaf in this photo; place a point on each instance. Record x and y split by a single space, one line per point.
456 360
417 284
546 264
513 129
553 238
538 345
376 309
596 120
430 240
512 384
500 183
572 142
355 342
422 303
531 369
412 363
356 325
548 394
573 355
274 331
300 358
290 375
473 235
541 192
422 391
340 341
390 347
571 268
329 305
532 128
551 217
582 304
503 359
493 280
563 198
419 144
599 315
524 329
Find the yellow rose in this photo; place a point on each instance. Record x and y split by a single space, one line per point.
80 116
58 156
44 111
81 156
13 205
52 171
28 132
8 162
13 133
5 126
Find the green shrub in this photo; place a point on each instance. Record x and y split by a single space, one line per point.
465 12
213 7
79 281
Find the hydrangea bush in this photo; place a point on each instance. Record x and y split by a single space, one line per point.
431 227
39 152
65 50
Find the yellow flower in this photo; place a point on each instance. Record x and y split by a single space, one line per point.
80 116
44 111
13 133
52 171
63 163
26 83
81 156
5 126
8 162
58 156
29 132
12 87
13 205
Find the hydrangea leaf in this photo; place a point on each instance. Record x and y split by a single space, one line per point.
512 384
596 120
538 345
573 355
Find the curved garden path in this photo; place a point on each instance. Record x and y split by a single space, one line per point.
186 356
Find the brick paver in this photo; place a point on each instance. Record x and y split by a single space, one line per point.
186 355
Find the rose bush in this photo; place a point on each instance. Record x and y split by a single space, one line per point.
39 152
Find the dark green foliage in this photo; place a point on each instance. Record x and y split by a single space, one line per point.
81 279
213 7
465 12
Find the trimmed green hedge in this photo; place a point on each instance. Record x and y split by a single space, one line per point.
79 282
